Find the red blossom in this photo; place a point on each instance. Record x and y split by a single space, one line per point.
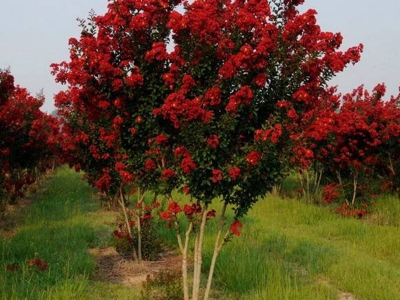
276 133
216 175
119 234
167 174
235 227
188 165
40 264
261 79
150 165
139 119
213 96
189 209
234 173
158 52
330 193
213 141
166 215
119 166
161 139
179 151
253 157
118 120
186 189
282 104
126 176
104 104
173 207
104 182
211 214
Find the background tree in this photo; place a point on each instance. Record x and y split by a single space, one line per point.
28 139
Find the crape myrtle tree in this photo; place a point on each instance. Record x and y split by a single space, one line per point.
350 142
198 96
312 134
235 69
360 147
113 88
388 154
28 139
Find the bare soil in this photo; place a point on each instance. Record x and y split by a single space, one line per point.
12 216
341 294
115 268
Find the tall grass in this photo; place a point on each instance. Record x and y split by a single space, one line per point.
287 250
292 250
58 229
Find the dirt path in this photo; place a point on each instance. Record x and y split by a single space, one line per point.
341 294
112 267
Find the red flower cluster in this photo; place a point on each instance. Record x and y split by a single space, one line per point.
213 141
167 174
347 210
194 208
161 139
150 165
40 264
330 193
216 176
188 165
235 227
173 207
234 173
253 157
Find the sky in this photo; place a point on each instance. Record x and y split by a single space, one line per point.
34 34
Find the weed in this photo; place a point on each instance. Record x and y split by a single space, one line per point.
163 285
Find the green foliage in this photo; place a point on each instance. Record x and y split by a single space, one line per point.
163 285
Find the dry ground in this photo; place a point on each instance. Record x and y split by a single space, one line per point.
115 268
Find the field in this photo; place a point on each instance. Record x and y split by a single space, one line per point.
287 250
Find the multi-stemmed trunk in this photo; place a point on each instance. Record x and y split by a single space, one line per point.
198 253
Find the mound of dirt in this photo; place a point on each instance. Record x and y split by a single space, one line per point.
115 268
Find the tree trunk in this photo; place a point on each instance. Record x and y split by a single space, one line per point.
217 248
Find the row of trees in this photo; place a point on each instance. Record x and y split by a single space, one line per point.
351 145
29 139
217 99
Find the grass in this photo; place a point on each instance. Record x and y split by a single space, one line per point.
60 226
296 251
287 250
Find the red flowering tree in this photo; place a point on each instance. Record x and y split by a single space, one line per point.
311 134
199 99
28 138
389 167
234 67
110 129
362 139
352 139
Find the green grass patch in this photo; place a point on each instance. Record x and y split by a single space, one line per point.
292 249
59 227
287 250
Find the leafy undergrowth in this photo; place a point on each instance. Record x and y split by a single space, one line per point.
287 250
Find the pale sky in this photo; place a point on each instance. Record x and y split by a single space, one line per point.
34 34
